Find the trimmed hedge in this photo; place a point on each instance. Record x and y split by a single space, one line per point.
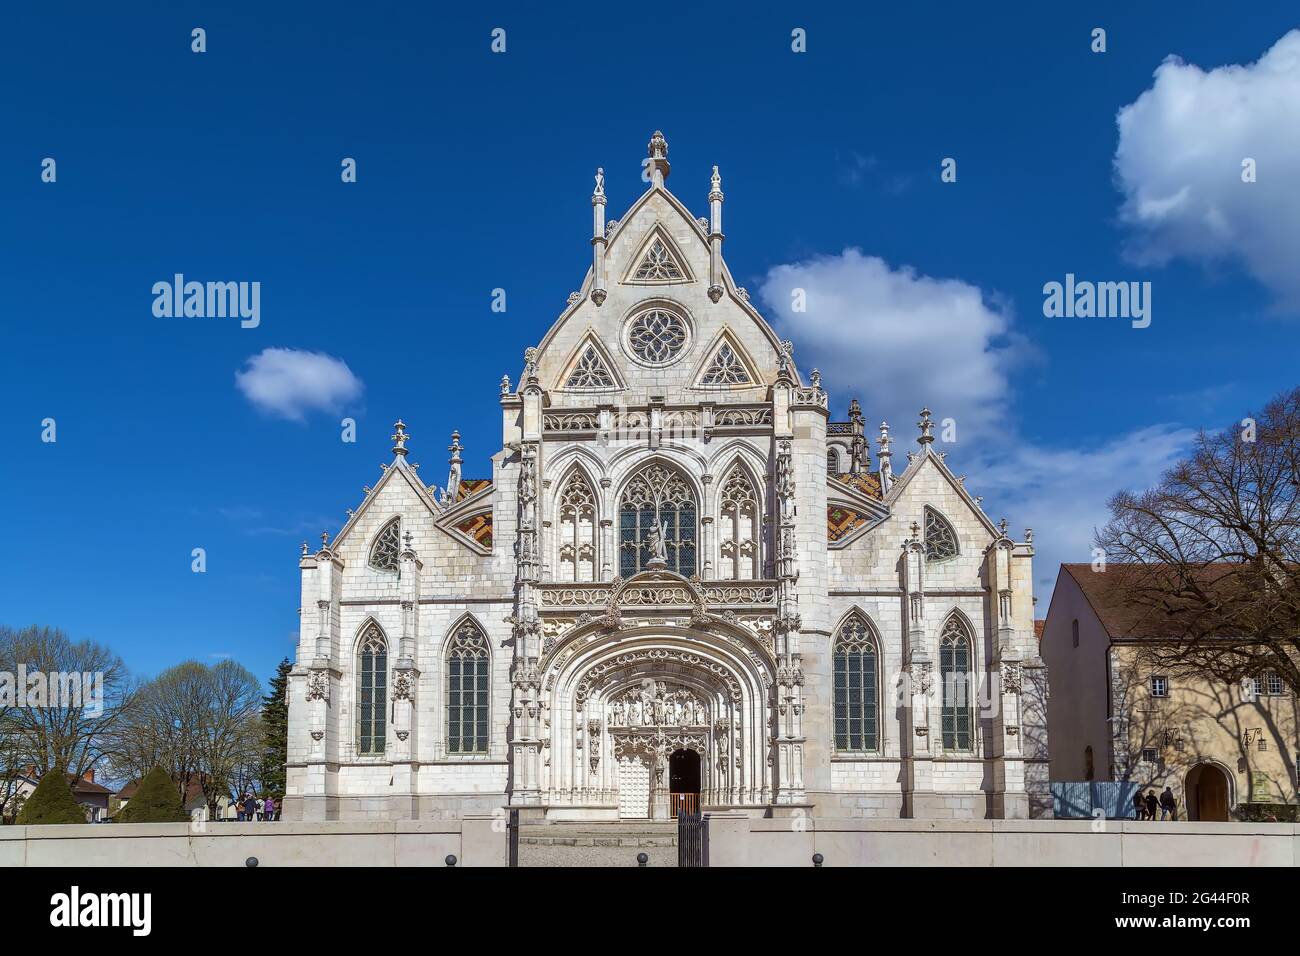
156 800
51 802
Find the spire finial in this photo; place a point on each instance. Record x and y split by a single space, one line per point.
715 181
400 438
599 194
455 448
926 427
657 150
304 547
505 384
324 540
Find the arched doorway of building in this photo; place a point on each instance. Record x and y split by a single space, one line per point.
1206 789
684 781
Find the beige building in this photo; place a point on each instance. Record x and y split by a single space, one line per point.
1113 714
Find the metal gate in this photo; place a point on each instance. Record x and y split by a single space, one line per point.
692 839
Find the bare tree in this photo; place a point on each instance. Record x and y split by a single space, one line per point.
1207 563
68 698
200 723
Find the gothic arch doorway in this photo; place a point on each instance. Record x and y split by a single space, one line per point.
684 781
1206 789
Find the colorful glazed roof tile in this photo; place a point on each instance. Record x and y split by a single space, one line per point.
479 527
868 484
841 522
471 486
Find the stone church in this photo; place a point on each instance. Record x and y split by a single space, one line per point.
677 585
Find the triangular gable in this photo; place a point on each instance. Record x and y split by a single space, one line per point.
902 481
658 261
726 365
590 368
399 467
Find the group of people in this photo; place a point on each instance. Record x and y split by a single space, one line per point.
251 807
1145 807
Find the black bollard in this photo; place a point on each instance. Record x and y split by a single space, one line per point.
251 861
817 859
451 859
642 859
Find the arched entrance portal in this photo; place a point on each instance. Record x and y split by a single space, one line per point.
1206 787
684 782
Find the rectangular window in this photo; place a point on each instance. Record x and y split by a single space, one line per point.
1149 755
1273 684
1160 686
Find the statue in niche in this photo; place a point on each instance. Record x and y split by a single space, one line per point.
619 713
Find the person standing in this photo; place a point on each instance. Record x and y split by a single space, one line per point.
261 808
268 809
1168 805
1139 805
1152 804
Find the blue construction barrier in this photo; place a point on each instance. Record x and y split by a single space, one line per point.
1081 800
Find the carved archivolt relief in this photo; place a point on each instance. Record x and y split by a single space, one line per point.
658 704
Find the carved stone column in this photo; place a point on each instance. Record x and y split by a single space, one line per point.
788 719
918 746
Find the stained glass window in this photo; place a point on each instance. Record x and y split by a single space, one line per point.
856 688
372 691
468 660
659 497
658 264
387 546
940 539
726 368
955 679
657 337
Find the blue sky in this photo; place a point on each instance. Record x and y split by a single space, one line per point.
474 173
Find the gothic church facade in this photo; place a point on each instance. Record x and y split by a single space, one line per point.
680 586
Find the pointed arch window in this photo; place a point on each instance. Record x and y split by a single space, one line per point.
576 535
832 461
856 687
590 371
955 678
726 368
468 660
387 546
658 265
738 527
659 498
940 538
372 691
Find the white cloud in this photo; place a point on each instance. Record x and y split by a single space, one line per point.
899 340
1179 165
290 383
1062 492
